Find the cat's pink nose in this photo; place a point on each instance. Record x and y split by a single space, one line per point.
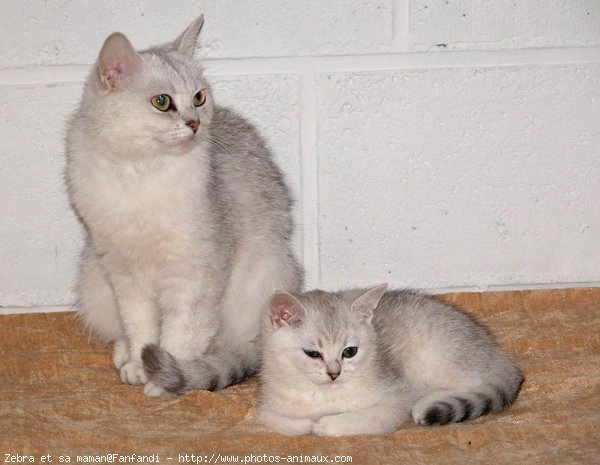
193 124
333 375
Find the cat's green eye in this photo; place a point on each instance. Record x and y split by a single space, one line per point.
161 102
312 353
199 98
349 352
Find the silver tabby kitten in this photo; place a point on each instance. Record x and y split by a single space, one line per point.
362 361
187 217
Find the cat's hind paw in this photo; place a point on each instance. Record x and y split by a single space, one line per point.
133 373
154 390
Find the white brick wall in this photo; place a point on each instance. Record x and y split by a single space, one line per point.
445 144
503 24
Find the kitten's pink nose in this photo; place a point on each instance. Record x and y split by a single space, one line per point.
333 369
193 124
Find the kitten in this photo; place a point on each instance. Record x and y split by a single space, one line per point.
188 219
362 361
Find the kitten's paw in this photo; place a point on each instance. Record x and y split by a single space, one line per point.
154 390
284 425
330 426
133 373
120 353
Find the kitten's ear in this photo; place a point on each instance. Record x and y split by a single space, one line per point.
117 60
186 42
285 310
368 301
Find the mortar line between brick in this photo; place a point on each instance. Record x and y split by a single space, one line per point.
32 75
309 158
401 25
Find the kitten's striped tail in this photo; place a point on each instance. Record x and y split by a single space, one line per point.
212 371
441 407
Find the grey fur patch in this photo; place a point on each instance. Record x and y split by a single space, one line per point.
487 406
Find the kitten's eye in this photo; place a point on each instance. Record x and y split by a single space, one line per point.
161 102
312 353
199 98
349 352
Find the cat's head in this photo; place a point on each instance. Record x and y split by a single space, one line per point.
324 337
151 102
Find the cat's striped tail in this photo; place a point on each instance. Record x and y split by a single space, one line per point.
441 407
215 370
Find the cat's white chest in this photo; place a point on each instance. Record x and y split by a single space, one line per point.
141 213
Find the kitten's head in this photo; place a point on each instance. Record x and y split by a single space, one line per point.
324 337
151 102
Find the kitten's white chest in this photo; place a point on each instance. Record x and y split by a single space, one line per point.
315 401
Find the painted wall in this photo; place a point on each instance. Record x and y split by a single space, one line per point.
444 144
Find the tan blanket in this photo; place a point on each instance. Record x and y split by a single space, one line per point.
60 395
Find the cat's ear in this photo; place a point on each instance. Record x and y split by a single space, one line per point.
368 301
186 42
117 60
285 310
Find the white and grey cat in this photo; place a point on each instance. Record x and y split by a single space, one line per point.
362 361
187 217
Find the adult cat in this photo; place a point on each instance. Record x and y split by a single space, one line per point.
362 361
187 217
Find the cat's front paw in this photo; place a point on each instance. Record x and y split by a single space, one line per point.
133 373
154 390
120 353
330 425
